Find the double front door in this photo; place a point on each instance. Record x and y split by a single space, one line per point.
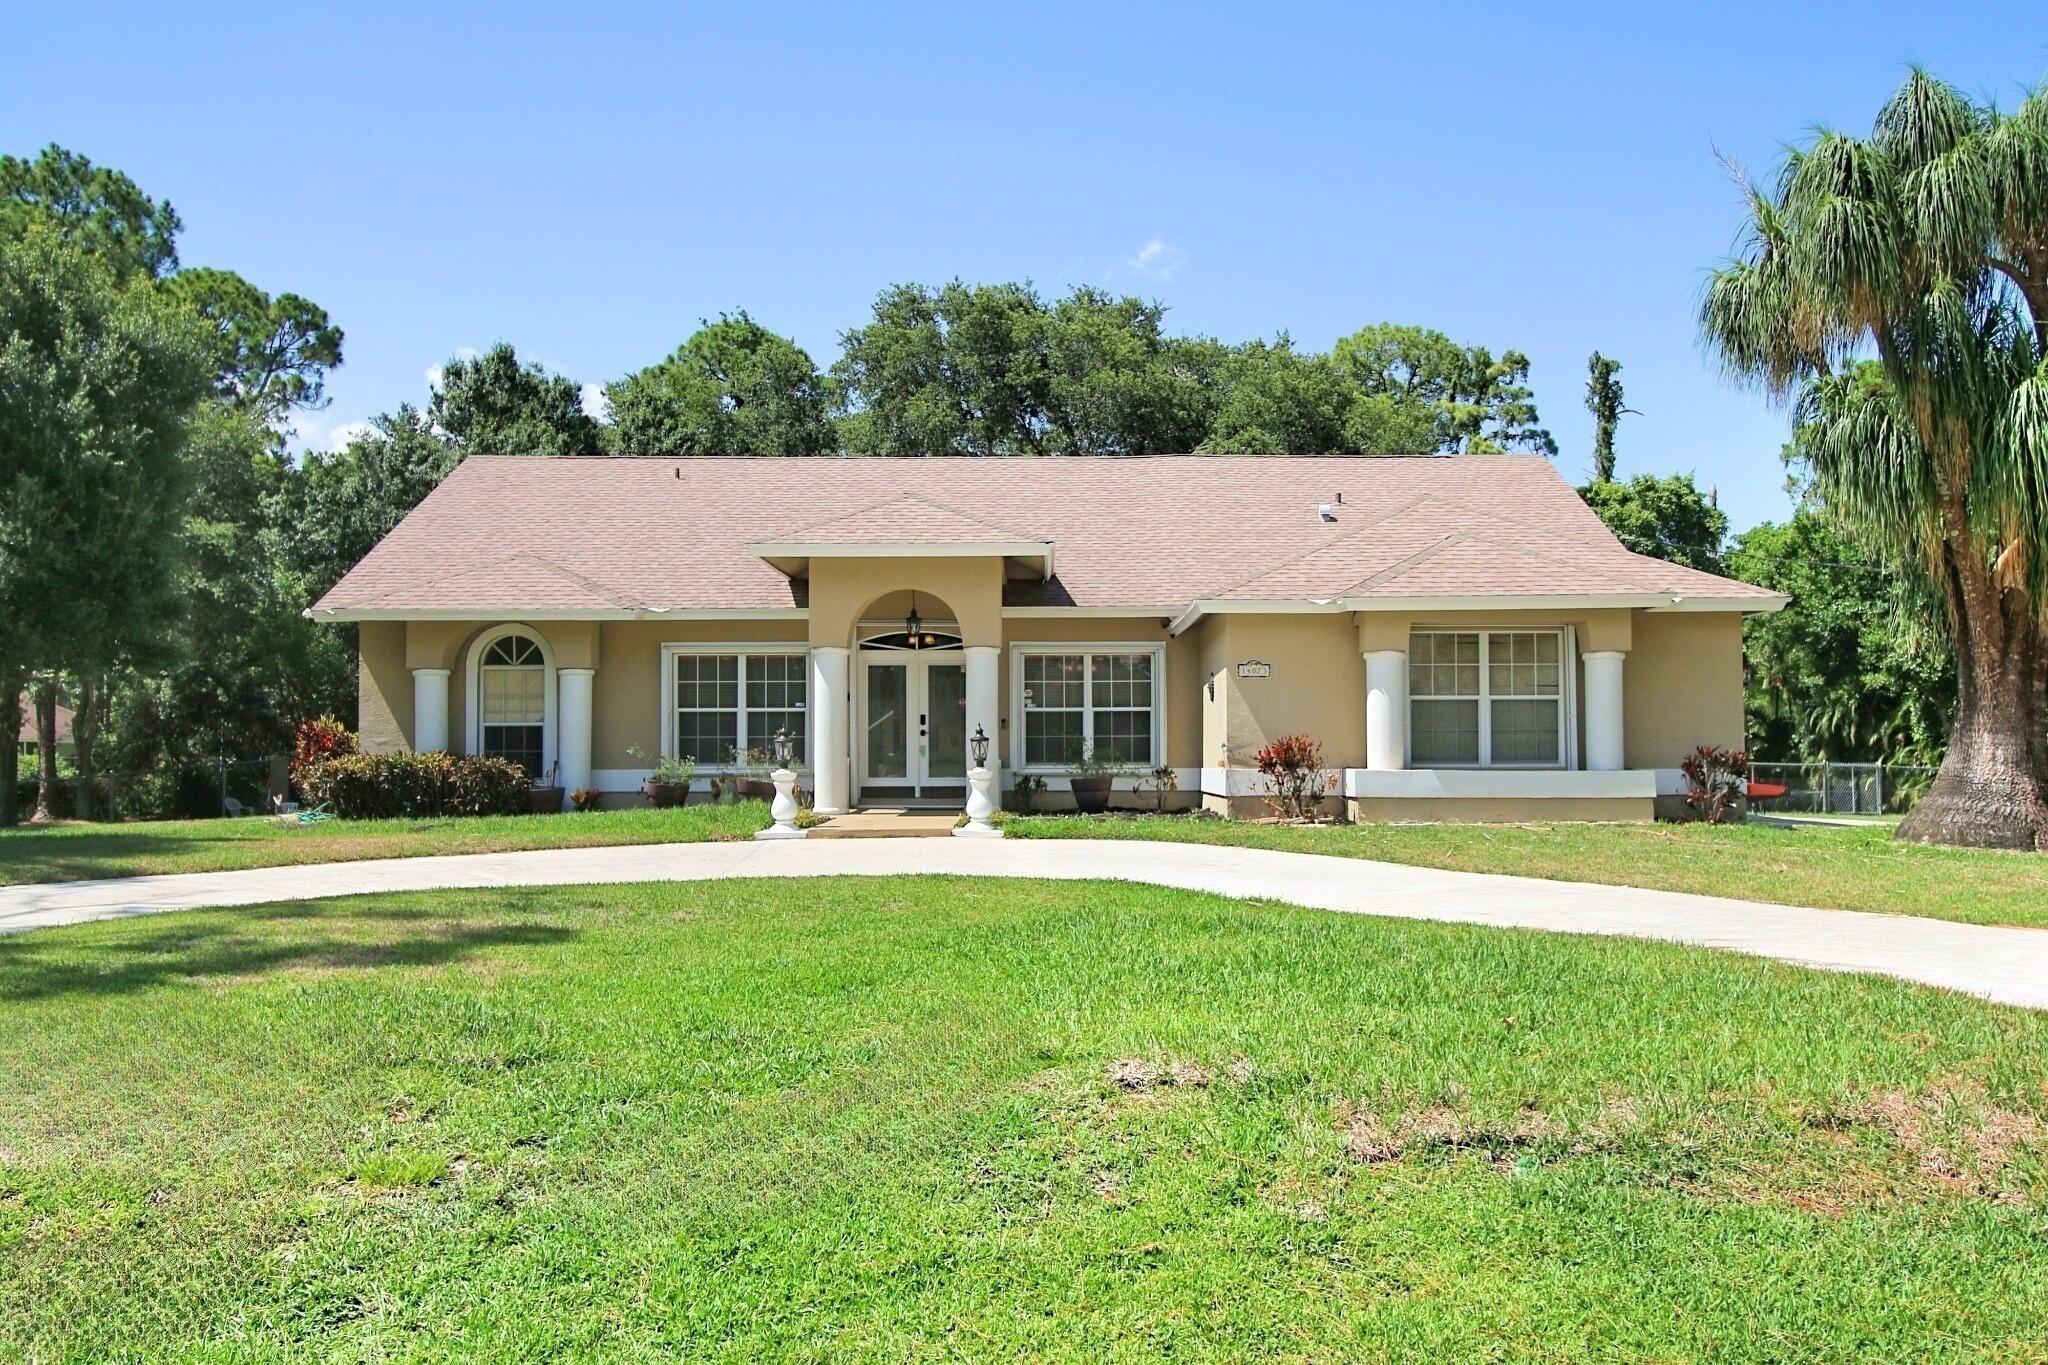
913 709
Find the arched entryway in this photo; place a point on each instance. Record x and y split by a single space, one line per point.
910 703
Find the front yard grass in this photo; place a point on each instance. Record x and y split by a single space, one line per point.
1832 867
77 851
899 1118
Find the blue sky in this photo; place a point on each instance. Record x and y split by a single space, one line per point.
588 182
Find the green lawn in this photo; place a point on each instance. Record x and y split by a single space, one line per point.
1828 866
73 852
936 1118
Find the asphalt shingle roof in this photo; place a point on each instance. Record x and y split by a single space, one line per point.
516 533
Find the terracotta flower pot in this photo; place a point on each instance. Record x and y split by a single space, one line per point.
665 795
1091 794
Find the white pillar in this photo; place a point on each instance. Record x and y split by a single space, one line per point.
1386 710
831 756
572 723
982 661
1603 710
430 710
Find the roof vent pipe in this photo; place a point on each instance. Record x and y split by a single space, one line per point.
1326 512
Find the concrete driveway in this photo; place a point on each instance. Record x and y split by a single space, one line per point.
2005 965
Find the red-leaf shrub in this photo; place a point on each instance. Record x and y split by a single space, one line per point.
386 786
1293 765
314 740
1716 780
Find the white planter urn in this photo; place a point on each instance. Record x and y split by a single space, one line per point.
981 804
784 808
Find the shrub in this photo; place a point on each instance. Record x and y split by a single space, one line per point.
314 740
1293 766
585 798
1716 781
383 786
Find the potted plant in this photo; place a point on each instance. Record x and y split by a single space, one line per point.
668 782
1091 776
544 798
750 774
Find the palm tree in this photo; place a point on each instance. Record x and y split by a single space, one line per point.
1895 289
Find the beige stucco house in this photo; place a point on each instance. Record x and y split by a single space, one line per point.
1464 636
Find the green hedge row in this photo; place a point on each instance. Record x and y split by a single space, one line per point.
381 786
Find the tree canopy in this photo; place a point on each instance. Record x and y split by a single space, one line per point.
1855 669
271 355
492 404
1668 518
98 209
732 388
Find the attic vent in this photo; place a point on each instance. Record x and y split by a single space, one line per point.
1326 512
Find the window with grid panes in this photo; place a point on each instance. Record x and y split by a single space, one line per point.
1100 702
1486 698
512 701
737 701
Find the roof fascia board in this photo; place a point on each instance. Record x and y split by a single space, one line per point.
1087 613
557 614
792 550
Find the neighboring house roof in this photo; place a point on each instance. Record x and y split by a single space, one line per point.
1180 533
28 721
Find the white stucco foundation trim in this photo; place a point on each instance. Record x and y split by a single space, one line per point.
1517 784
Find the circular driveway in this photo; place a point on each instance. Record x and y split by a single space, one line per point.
2001 964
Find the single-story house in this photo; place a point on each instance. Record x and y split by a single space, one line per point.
1461 633
27 742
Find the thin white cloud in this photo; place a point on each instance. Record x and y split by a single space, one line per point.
596 406
1158 260
340 435
436 372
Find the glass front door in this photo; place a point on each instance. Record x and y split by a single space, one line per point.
914 726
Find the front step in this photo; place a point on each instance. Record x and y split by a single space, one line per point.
888 824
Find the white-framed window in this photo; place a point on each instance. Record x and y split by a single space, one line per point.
1066 700
721 698
1488 698
512 692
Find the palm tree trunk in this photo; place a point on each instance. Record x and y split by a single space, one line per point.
46 752
1992 790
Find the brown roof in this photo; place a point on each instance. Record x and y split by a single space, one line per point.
527 534
28 720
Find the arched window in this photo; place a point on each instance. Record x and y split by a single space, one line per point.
512 703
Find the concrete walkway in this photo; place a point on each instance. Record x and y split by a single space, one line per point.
2005 965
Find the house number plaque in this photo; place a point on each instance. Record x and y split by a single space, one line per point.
1255 668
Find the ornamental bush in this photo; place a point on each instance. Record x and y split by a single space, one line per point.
1293 766
387 786
314 740
1716 781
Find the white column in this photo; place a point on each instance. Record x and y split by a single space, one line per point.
1603 710
1386 710
572 726
430 710
982 662
831 756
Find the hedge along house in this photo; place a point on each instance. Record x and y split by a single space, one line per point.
1461 633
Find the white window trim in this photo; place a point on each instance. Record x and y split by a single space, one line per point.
1567 697
744 649
473 680
1017 653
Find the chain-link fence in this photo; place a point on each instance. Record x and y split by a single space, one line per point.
1838 788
